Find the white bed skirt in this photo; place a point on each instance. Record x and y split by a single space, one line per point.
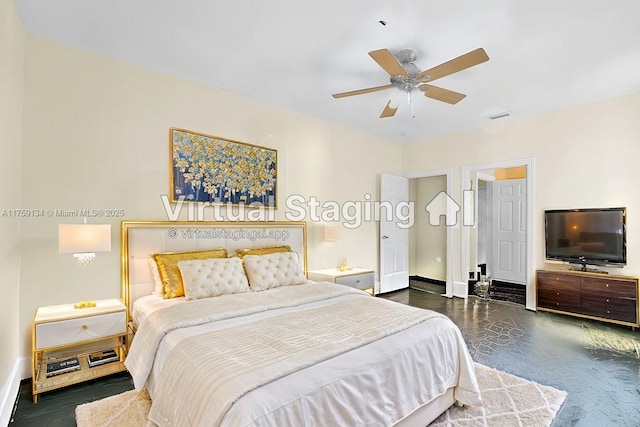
428 412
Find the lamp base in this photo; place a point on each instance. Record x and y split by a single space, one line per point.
84 304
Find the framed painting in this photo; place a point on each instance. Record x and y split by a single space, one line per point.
207 168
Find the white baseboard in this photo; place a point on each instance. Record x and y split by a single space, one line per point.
25 368
460 289
10 390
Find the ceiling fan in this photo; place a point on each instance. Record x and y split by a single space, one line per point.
406 76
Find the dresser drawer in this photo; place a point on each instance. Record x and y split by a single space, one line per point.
549 280
612 287
64 332
609 307
359 281
559 299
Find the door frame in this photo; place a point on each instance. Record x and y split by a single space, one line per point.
465 244
448 172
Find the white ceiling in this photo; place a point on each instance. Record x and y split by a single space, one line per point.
544 54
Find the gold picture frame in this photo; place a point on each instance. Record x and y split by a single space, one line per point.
206 168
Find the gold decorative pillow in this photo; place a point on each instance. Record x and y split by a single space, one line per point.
169 272
241 253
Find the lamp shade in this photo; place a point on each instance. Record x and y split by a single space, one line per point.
83 238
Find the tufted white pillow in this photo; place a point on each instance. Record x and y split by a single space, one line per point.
273 270
211 277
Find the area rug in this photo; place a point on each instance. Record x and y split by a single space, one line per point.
508 401
128 409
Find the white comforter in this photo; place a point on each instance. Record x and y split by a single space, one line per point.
347 384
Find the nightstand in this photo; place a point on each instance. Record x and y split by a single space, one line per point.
359 278
71 345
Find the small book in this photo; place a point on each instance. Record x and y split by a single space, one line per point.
63 366
102 357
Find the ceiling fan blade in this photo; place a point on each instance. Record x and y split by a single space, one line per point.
388 111
388 62
441 94
460 63
361 91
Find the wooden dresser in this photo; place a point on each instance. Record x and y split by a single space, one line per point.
604 297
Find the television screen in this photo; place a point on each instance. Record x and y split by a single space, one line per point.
586 236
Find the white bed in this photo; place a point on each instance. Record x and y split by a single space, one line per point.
403 377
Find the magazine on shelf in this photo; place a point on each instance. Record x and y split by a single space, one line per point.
63 366
102 357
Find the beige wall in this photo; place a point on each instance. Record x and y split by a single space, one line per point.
11 98
584 157
96 137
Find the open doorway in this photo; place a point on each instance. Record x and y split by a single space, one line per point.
499 245
427 242
500 234
430 263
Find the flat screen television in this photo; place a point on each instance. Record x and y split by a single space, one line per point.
587 236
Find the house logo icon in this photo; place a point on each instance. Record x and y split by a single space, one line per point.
442 205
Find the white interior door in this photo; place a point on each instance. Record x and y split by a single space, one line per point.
509 217
394 239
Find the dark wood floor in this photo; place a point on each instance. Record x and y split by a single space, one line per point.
597 364
57 408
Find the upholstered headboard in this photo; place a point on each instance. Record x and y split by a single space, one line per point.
140 239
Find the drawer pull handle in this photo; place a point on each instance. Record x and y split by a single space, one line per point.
607 299
85 327
557 293
608 312
607 285
557 303
357 281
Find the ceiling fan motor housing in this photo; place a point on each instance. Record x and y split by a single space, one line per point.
406 57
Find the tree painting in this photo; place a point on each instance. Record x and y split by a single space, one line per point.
211 169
